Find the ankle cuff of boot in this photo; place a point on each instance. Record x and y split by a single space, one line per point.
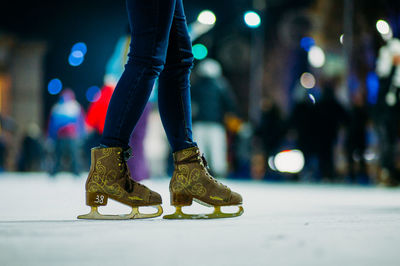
185 153
126 153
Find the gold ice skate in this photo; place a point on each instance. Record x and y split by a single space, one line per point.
109 177
192 181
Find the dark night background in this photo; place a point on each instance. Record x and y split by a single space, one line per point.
100 23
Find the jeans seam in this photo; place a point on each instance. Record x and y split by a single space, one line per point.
181 55
183 114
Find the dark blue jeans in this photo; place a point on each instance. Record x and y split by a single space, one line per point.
160 48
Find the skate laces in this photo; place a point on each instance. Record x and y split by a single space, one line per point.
204 163
129 184
127 154
197 158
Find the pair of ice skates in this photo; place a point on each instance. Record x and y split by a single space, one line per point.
109 178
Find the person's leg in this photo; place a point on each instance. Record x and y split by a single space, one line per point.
174 85
109 176
74 152
150 22
58 155
327 163
191 178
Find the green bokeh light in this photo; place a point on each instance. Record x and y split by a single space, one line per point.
199 51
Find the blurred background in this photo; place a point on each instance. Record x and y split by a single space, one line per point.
282 90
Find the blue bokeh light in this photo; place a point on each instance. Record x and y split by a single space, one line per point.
93 94
75 61
306 43
77 54
372 82
55 86
199 51
79 46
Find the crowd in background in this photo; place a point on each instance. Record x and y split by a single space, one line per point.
351 142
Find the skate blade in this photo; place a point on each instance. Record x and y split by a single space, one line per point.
135 214
215 215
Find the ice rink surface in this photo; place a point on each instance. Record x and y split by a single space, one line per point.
283 224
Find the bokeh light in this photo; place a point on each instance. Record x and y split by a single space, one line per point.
77 55
93 94
206 17
306 43
316 57
312 98
289 161
55 86
252 19
307 80
383 27
199 51
341 38
372 82
75 61
271 163
79 46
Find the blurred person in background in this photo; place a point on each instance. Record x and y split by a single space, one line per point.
270 132
356 139
31 154
212 101
66 130
303 128
96 115
388 110
240 150
8 128
271 128
330 117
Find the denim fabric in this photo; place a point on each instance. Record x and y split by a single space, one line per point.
160 48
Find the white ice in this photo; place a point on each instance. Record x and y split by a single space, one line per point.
283 224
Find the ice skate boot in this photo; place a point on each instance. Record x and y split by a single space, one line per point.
192 181
109 177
